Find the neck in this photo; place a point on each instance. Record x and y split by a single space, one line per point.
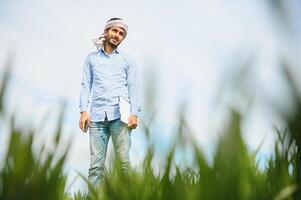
109 48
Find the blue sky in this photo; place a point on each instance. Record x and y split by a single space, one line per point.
196 49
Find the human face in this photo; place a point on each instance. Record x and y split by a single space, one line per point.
114 36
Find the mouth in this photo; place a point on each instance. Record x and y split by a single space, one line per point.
114 40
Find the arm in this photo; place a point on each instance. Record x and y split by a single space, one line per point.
133 93
86 85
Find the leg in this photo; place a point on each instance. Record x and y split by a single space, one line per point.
121 138
99 137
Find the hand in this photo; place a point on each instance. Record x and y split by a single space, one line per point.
133 121
84 118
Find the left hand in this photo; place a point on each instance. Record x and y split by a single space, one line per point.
133 121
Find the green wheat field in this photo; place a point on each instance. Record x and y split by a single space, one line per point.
234 172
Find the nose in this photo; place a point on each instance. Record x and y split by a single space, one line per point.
115 35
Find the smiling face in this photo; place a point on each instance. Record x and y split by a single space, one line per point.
114 36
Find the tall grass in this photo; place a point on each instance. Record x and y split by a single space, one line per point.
233 174
23 173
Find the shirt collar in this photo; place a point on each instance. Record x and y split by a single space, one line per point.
115 51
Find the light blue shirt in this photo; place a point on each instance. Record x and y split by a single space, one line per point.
106 77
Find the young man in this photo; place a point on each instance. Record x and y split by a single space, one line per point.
108 74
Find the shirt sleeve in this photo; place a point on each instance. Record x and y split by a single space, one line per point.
86 84
133 87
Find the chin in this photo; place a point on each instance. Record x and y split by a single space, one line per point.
114 44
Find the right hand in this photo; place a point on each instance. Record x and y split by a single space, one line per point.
84 117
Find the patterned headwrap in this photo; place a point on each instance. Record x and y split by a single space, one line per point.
115 22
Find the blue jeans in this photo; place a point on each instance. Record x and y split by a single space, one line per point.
100 133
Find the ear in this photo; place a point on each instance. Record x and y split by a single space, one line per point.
105 33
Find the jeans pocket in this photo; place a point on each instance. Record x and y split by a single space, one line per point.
93 125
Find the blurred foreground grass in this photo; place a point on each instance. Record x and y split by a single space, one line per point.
233 174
